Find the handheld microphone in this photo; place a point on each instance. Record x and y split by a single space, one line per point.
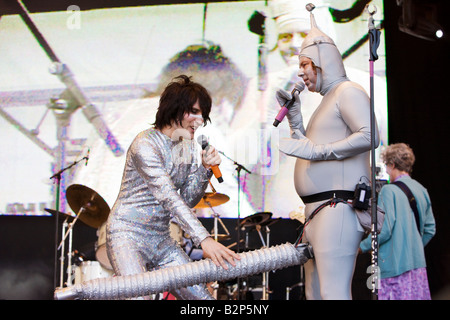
203 141
299 87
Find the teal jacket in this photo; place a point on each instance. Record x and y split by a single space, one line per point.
401 247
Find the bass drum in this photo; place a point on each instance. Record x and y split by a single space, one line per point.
89 270
100 248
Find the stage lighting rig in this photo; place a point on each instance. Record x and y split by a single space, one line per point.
420 19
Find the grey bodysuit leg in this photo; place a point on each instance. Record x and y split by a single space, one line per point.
334 236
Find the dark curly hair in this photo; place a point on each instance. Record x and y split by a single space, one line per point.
178 99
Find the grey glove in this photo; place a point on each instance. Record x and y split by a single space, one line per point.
294 115
348 136
302 147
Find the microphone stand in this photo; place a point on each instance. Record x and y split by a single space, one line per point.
239 167
374 41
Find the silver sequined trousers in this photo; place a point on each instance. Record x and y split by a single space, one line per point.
162 180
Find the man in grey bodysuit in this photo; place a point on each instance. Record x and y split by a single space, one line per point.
333 155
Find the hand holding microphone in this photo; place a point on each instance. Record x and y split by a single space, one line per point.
290 104
210 157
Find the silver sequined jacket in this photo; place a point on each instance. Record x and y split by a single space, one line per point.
162 179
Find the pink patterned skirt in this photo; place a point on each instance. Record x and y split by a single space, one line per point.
411 285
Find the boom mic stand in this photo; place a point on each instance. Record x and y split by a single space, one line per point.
374 41
58 176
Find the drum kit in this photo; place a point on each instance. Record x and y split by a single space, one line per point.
257 222
92 210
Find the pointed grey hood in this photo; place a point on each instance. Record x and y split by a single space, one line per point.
322 50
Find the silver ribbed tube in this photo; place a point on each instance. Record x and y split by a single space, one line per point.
167 279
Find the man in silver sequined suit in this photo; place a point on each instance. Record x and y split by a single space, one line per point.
163 179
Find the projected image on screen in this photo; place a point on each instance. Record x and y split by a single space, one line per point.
122 58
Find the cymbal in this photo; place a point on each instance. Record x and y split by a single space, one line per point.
61 215
270 222
212 199
256 219
95 210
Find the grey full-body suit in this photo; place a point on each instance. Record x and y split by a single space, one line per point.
333 153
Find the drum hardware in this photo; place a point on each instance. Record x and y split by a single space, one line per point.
94 212
176 232
78 257
210 200
61 215
69 230
217 236
257 221
67 219
69 252
94 209
100 248
300 284
91 210
299 216
239 168
89 270
58 177
234 244
254 222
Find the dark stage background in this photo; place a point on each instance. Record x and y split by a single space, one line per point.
418 110
27 256
418 89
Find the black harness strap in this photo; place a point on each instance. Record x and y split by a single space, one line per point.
411 199
327 195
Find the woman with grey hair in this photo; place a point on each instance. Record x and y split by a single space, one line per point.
403 238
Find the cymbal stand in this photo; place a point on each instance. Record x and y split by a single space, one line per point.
69 257
265 275
61 267
58 177
70 227
215 285
300 284
216 221
67 233
216 217
239 167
